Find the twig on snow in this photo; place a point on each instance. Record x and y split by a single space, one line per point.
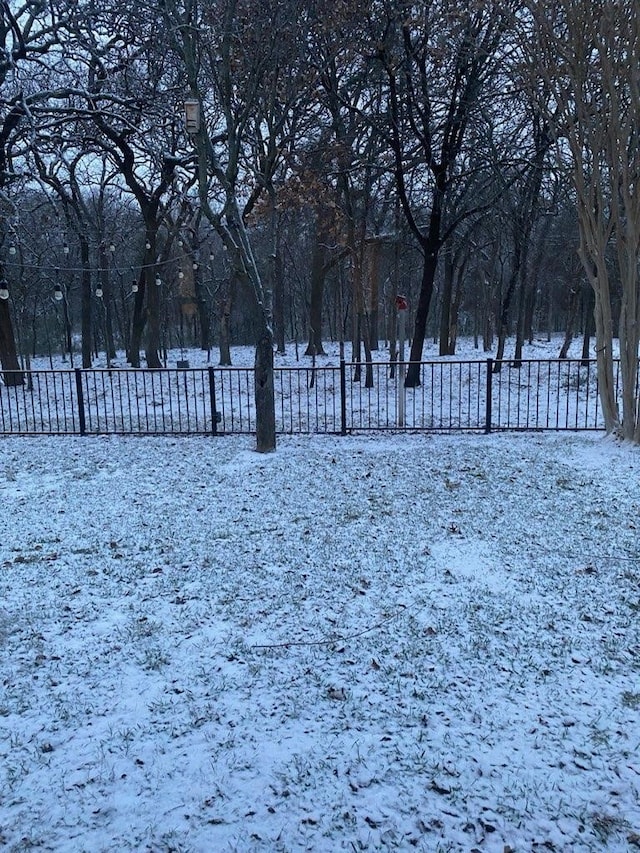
340 638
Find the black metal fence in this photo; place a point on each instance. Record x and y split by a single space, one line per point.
481 396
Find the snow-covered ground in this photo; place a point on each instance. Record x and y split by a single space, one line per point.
382 644
243 356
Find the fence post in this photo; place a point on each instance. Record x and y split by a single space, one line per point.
488 412
80 394
343 397
212 400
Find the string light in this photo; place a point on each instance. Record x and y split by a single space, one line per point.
180 274
112 248
134 287
158 281
147 245
195 265
4 290
99 292
12 249
68 268
65 249
57 292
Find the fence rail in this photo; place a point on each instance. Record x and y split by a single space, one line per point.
481 396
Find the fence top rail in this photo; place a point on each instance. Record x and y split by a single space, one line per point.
578 360
482 361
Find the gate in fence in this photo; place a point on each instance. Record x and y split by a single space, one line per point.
481 396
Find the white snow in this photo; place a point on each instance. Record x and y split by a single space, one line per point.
399 643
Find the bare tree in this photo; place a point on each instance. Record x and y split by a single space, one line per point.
240 82
27 34
437 61
587 57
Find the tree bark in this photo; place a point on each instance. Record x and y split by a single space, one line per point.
86 302
204 319
589 304
110 347
574 301
373 268
278 302
264 395
138 322
316 298
445 307
8 350
153 292
422 313
227 292
520 322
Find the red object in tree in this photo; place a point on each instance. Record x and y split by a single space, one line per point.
401 303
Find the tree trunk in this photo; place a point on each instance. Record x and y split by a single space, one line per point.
153 292
571 319
356 346
264 394
373 289
422 313
110 347
603 323
278 302
317 294
530 310
520 324
455 310
368 376
445 307
589 305
138 322
504 311
68 332
86 299
275 272
487 332
8 350
204 321
226 304
629 337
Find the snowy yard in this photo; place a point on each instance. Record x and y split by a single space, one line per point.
382 644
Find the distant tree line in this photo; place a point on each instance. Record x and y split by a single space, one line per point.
206 172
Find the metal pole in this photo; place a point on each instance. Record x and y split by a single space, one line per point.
401 305
212 400
489 400
343 397
80 398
